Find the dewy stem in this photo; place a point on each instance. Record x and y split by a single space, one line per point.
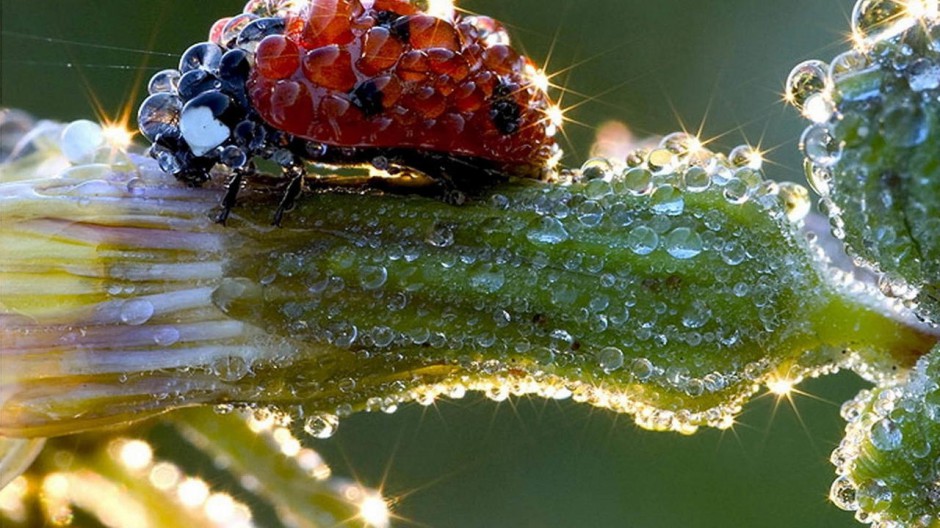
637 292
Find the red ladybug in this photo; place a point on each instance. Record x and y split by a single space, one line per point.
352 82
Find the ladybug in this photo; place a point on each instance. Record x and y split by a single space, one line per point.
374 83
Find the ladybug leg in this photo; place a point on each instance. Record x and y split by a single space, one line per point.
297 174
231 194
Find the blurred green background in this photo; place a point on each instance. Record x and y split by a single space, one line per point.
657 65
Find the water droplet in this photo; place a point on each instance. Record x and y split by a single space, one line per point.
441 236
796 200
843 494
874 496
683 243
667 200
875 20
642 240
638 181
696 315
610 359
590 213
924 75
321 425
136 312
234 157
661 161
547 230
733 253
543 355
696 179
641 368
905 125
681 144
159 116
204 55
80 139
487 278
886 435
372 277
342 334
165 81
597 169
806 79
818 108
745 156
820 147
736 191
166 336
238 296
383 336
230 368
598 189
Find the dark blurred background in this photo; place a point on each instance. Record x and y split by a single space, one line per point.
718 65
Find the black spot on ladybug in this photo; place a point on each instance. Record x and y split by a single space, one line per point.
505 112
368 98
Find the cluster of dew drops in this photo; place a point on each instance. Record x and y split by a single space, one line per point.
890 421
663 178
883 72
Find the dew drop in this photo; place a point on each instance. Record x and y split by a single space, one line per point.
846 64
642 240
80 139
590 213
543 355
441 236
610 359
667 200
238 296
796 200
745 156
683 243
597 169
136 312
641 368
166 336
372 277
638 181
547 230
818 108
736 191
820 147
696 180
876 20
323 425
843 494
165 81
806 79
487 278
886 435
696 315
905 126
230 368
924 75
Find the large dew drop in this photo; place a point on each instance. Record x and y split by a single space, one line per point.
805 80
323 425
877 20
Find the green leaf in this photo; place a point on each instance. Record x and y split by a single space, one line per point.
889 461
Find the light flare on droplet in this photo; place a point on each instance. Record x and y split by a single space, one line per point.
374 511
135 454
